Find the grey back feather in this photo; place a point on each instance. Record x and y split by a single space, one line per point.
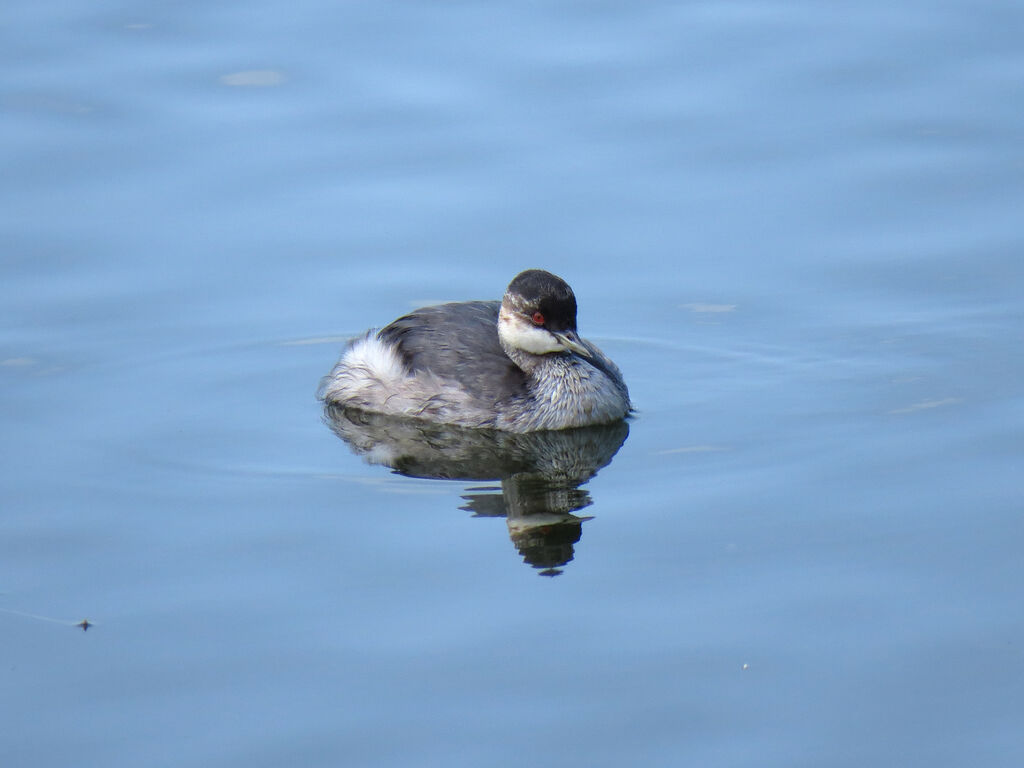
458 342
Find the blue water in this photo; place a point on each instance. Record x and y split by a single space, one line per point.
796 227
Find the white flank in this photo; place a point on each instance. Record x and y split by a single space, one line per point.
376 358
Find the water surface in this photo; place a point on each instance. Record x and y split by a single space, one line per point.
794 226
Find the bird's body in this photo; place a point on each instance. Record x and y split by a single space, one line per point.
514 365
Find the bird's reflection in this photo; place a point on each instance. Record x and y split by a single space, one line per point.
539 474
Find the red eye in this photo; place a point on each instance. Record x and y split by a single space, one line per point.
538 318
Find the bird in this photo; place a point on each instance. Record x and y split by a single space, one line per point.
515 365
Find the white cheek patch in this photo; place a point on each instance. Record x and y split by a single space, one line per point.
528 338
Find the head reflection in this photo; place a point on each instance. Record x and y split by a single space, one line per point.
539 473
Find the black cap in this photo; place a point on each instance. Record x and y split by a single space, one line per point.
541 291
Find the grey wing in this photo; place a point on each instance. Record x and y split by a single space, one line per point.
458 342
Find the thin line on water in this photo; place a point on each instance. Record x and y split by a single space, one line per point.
50 619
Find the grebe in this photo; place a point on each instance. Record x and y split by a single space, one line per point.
516 365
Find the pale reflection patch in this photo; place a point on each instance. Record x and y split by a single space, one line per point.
925 405
253 78
710 308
